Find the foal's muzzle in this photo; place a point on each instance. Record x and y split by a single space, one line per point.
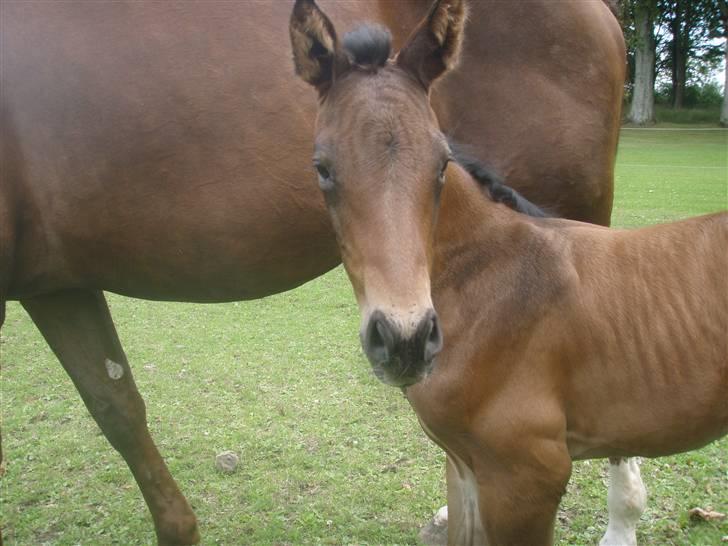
398 358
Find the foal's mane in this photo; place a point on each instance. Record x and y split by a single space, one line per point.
489 180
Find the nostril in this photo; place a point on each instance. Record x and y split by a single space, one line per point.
433 345
379 339
380 333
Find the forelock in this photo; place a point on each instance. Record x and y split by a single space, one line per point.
368 45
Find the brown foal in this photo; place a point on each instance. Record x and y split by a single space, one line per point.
553 340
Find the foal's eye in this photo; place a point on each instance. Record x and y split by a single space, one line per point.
323 172
441 176
326 181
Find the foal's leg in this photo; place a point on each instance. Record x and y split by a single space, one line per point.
78 327
626 500
519 494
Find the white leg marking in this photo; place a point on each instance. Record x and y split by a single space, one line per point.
626 500
435 532
468 529
114 369
440 518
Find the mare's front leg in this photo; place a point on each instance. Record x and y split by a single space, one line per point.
78 327
626 501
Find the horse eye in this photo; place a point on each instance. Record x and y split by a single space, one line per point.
326 181
323 172
441 176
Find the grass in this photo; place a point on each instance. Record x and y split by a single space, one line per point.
328 454
667 174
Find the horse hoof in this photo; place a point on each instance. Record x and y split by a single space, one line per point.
435 532
183 532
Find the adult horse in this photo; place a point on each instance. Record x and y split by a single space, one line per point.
161 151
553 340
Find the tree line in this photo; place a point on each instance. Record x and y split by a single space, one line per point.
674 46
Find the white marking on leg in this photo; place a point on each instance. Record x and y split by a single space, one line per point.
626 501
435 532
468 529
440 518
114 369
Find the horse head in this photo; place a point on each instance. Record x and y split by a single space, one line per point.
381 159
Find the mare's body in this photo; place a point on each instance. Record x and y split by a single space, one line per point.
162 151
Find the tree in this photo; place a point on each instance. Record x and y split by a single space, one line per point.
724 24
642 109
689 23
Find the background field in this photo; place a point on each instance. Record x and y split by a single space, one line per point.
328 454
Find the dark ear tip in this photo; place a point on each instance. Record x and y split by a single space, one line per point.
303 7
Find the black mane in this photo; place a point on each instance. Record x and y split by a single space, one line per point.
499 192
368 45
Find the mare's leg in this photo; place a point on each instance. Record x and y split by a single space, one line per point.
626 500
78 327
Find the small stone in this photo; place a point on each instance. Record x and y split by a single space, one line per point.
227 462
700 514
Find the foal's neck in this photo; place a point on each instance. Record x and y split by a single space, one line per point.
469 216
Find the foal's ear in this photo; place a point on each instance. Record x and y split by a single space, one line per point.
315 48
434 46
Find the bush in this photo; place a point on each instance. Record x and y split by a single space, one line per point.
706 95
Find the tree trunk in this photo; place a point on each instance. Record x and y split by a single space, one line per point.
679 55
642 110
724 109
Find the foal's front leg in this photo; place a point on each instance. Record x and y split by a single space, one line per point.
78 327
626 501
520 491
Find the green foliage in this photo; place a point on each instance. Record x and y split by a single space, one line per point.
687 52
328 454
707 95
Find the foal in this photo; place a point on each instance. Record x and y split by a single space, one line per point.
554 340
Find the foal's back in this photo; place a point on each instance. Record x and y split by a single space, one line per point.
644 341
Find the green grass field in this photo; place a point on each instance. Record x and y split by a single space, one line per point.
328 454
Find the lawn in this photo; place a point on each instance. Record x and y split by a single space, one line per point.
328 454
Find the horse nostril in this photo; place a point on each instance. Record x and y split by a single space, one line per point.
433 344
379 338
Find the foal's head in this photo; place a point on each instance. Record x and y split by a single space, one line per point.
380 158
